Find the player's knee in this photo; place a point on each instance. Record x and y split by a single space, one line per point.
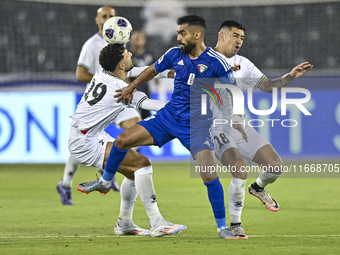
275 165
238 169
123 141
236 164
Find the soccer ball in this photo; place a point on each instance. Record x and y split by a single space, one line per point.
117 30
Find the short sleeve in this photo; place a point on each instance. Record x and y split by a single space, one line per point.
165 61
252 76
227 77
223 70
86 58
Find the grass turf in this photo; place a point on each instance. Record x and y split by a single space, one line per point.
33 221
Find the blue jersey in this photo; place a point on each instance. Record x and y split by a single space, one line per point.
194 77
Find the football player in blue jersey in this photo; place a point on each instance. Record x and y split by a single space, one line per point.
197 67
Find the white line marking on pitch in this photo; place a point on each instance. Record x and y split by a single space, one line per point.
212 236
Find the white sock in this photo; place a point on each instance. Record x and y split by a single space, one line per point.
146 191
128 194
266 178
70 170
236 199
135 148
107 184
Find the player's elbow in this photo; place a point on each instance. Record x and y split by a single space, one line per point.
82 74
78 76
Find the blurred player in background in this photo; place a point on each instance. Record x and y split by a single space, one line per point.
233 147
90 145
140 58
160 22
174 120
88 64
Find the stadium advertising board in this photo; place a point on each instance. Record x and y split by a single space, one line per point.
34 126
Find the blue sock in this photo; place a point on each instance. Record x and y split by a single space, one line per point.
113 162
216 198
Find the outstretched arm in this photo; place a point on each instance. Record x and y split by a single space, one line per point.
141 101
126 93
134 72
268 85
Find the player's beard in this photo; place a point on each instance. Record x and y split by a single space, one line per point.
188 48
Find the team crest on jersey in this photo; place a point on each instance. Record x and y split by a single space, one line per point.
236 68
202 68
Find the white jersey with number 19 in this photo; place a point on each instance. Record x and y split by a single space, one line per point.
98 107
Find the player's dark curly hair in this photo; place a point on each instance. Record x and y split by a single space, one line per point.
192 20
232 23
111 55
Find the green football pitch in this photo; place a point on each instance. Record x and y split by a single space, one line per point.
33 220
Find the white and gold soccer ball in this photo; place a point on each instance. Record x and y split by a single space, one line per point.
117 30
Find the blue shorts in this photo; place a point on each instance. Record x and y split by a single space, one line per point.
163 128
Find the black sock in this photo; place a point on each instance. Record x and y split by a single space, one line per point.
256 187
235 224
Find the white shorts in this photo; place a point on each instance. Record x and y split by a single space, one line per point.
128 113
224 139
89 149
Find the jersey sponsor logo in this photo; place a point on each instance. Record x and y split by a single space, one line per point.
202 68
160 59
236 68
180 63
231 77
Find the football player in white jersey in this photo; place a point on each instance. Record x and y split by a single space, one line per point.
90 145
234 146
88 64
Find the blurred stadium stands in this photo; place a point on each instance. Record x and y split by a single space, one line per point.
47 37
40 42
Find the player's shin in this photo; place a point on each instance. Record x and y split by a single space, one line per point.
128 195
70 170
112 164
146 191
236 199
216 198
